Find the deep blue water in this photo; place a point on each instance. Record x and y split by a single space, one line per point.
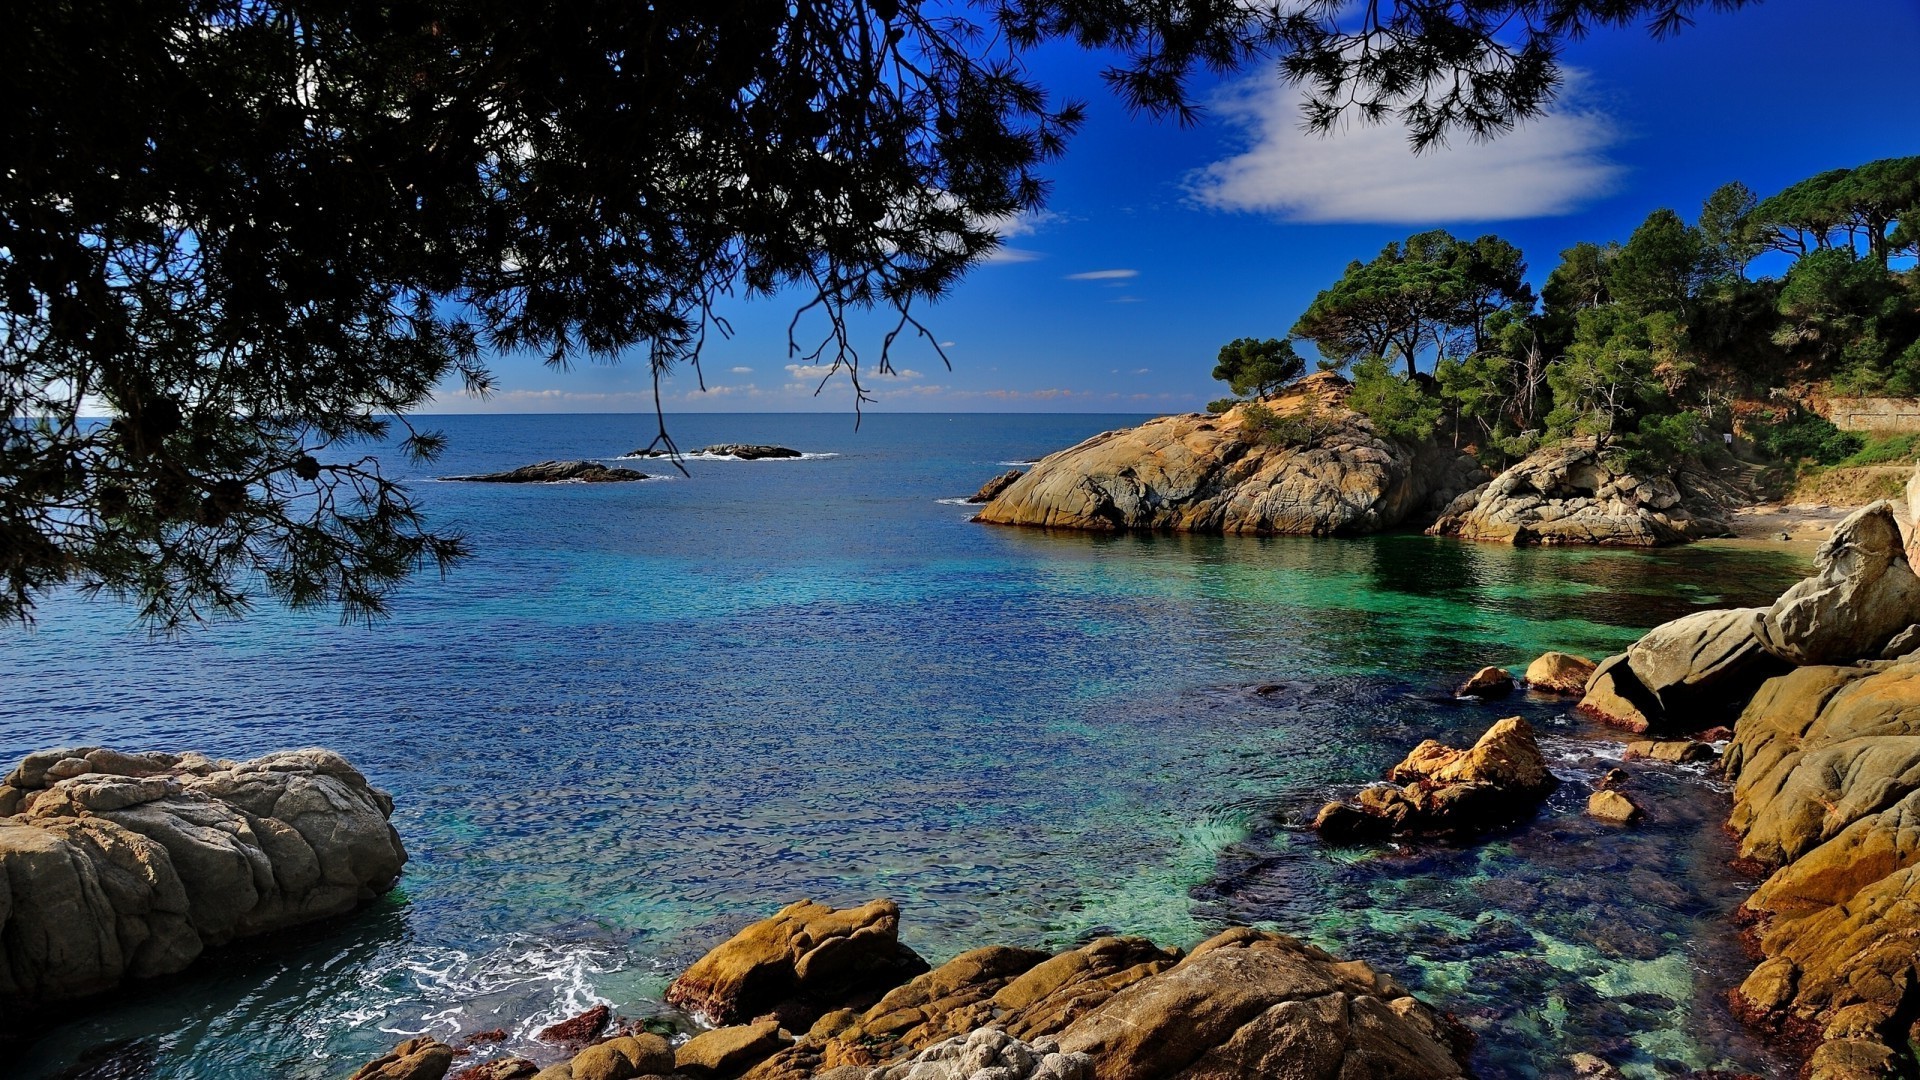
646 713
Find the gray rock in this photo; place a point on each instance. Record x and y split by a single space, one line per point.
989 1054
1861 595
556 472
1569 493
106 876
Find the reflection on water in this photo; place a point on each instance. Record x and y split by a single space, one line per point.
648 713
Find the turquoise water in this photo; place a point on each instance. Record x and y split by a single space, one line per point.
645 714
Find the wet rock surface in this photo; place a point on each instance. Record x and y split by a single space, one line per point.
127 866
1439 791
556 472
992 488
1215 474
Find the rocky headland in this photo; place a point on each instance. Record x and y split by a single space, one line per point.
118 866
1226 474
556 472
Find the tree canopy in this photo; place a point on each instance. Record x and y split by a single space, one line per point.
255 232
1255 368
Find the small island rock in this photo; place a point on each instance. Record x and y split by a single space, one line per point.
556 472
742 451
1440 791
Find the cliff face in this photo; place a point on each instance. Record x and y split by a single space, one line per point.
1215 474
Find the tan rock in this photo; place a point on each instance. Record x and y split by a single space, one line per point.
1204 473
623 1058
1489 683
1702 668
1670 751
995 486
509 1068
1559 673
729 1051
1248 1003
1449 792
423 1058
1608 805
808 958
1615 697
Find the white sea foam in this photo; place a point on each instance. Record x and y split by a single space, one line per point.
956 502
522 983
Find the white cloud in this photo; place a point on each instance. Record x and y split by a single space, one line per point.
1124 300
1102 275
1366 173
946 344
809 371
1025 223
905 373
741 370
1004 254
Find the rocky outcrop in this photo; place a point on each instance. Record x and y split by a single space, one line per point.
1863 594
1826 770
556 472
118 866
424 1058
1610 805
1220 474
804 960
1244 1004
742 451
992 488
1439 791
1862 602
1570 493
1559 673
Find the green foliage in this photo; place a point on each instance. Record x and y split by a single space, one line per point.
1807 436
1862 204
1661 265
1854 319
1258 368
1399 407
1883 450
1607 374
1220 405
1432 291
1730 237
1286 430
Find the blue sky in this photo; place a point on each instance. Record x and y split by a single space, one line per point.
1161 243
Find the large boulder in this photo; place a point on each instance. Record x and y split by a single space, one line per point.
1559 673
1702 668
121 866
1218 474
1253 1004
1440 791
805 960
1570 493
424 1058
1862 594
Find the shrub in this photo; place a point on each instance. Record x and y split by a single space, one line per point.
1399 408
1807 436
1220 405
1286 429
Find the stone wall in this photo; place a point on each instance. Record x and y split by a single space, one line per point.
1891 415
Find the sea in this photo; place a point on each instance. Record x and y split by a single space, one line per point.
643 715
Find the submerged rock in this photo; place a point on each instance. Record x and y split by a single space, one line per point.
122 866
802 961
1569 493
1559 673
995 486
1440 791
556 472
1217 474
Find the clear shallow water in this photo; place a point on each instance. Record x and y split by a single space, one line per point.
648 713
